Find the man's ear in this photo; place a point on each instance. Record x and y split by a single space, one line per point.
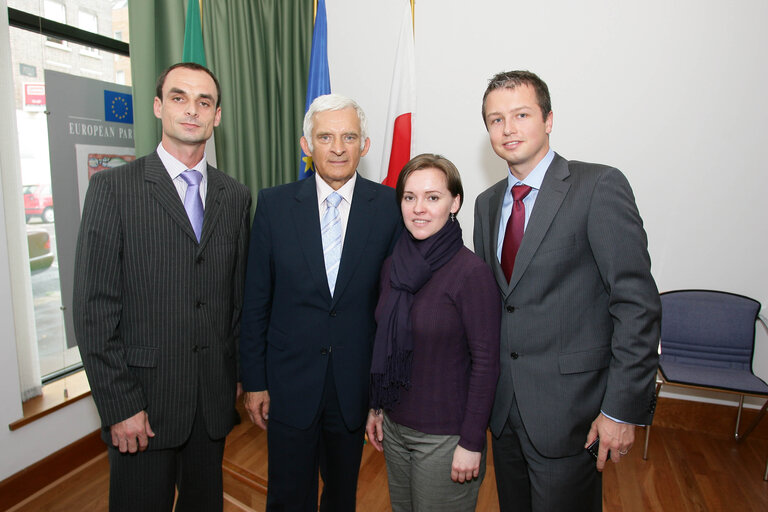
157 106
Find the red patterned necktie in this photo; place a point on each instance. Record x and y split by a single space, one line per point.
513 234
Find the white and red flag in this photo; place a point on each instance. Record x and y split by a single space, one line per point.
398 141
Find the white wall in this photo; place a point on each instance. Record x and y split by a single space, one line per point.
33 442
672 93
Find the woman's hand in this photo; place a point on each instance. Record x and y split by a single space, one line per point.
466 465
374 427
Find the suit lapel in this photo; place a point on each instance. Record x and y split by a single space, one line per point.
495 202
165 193
213 198
356 236
551 196
306 219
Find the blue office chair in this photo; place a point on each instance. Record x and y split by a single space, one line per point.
707 342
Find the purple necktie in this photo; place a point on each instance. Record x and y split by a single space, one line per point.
192 201
513 235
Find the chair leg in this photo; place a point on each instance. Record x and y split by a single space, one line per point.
738 417
647 436
754 423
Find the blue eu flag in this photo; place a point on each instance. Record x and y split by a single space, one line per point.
319 82
118 107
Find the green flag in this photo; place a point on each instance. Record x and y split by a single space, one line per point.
193 35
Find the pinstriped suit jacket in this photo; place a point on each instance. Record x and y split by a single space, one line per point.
157 313
580 317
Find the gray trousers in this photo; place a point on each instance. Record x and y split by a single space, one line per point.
529 482
419 472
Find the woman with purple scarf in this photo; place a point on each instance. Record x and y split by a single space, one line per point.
436 354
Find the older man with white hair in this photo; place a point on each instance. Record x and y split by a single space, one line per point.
317 247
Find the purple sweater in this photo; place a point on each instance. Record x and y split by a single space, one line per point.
456 322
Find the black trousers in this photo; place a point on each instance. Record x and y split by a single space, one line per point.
295 455
529 482
146 481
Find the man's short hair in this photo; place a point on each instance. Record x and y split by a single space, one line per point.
431 161
328 102
188 65
512 79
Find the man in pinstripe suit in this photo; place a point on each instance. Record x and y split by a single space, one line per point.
157 305
580 310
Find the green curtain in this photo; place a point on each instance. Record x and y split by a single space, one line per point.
157 41
259 50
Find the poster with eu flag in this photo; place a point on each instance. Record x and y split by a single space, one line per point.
118 107
90 130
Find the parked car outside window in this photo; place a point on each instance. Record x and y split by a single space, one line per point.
40 255
38 202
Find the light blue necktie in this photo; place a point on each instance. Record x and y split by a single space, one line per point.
331 231
193 203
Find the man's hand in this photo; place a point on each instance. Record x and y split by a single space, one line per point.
257 405
132 435
466 465
614 436
374 427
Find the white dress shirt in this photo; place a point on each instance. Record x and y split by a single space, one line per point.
175 168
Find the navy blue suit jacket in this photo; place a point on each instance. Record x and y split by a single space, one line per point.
291 325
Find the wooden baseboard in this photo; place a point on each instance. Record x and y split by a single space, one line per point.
26 482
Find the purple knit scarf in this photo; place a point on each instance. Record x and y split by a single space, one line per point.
413 263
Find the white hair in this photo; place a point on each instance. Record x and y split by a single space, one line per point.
333 102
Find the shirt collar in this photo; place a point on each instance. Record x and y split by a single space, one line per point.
175 167
536 177
324 190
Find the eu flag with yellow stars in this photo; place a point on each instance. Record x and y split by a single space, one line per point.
319 82
118 107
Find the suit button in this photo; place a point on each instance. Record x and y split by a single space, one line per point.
323 351
333 313
514 355
195 349
510 309
199 260
199 304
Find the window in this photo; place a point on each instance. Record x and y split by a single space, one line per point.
32 54
56 11
87 20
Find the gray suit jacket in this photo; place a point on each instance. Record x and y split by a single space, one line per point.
580 315
157 313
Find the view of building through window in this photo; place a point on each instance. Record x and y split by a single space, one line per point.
31 54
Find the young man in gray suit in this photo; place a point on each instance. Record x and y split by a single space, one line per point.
580 310
158 292
312 285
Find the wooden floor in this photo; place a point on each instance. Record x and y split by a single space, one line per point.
693 465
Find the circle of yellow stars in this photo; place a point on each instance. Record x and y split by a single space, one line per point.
123 105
